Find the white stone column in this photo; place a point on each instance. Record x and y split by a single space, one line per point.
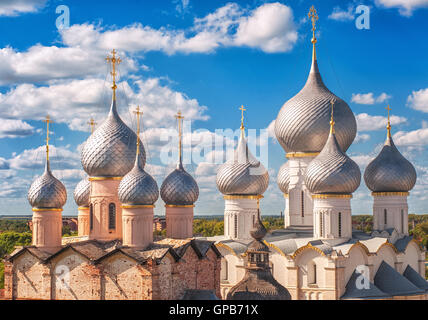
240 214
47 229
179 221
332 216
299 209
83 221
137 225
104 193
394 206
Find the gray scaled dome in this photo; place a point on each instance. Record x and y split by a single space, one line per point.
283 178
332 171
242 175
82 193
138 187
302 124
47 192
179 188
110 150
390 171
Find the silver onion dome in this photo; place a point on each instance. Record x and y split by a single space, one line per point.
390 171
283 178
332 171
302 124
47 192
179 188
138 187
242 175
110 150
82 193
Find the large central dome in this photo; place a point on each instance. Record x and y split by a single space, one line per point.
110 150
302 124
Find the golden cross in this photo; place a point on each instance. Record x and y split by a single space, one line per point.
114 61
312 14
332 123
388 126
48 121
139 113
92 123
180 118
242 108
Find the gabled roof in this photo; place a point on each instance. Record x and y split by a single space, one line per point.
415 278
390 281
354 292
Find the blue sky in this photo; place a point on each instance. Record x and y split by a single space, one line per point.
205 58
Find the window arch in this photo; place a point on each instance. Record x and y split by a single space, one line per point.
112 216
91 216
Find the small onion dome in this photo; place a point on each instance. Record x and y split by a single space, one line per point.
332 171
138 187
244 174
302 122
110 150
47 192
283 178
390 171
82 193
179 188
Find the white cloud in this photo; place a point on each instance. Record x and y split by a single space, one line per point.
15 129
405 7
415 138
269 27
362 160
369 98
366 122
340 14
361 138
15 7
418 100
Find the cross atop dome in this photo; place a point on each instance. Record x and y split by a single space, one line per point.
114 61
312 14
180 118
242 108
388 126
48 121
92 123
332 123
139 113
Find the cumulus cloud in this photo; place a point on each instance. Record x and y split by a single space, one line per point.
15 129
369 98
340 14
415 138
366 122
16 7
361 137
405 7
418 100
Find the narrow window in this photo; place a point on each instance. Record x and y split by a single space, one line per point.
340 224
91 216
112 216
402 221
224 271
321 226
303 203
236 226
315 273
254 220
385 216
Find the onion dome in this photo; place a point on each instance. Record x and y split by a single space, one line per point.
244 174
138 187
179 188
82 193
302 123
258 282
390 171
47 192
110 150
332 171
283 178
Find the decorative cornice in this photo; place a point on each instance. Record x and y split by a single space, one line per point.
179 206
309 246
83 208
46 209
234 197
105 178
271 245
388 194
138 206
286 195
292 155
328 196
224 246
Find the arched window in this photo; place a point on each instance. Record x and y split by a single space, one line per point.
402 221
312 272
112 216
340 224
254 220
224 269
91 217
303 203
321 226
385 216
236 226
